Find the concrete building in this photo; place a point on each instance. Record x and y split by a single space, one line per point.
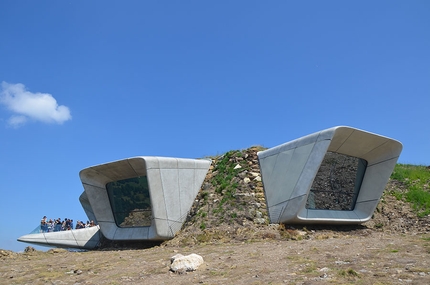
136 199
335 176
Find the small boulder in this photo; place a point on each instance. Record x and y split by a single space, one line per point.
181 263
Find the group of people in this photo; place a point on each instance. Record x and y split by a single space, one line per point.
62 225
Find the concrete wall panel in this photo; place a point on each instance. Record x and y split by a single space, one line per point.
267 165
162 229
131 233
327 216
138 165
389 150
365 209
117 170
100 204
308 171
87 207
108 229
157 194
293 206
171 189
187 164
151 162
168 162
174 226
94 178
284 185
275 212
338 136
187 192
359 143
375 178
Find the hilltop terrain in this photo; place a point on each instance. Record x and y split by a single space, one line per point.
229 227
231 207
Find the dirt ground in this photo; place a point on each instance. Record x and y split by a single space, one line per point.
230 230
358 256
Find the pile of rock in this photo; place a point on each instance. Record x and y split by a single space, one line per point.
5 254
231 205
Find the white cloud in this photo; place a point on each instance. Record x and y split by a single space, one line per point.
17 121
31 106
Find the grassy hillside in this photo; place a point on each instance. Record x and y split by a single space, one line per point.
416 179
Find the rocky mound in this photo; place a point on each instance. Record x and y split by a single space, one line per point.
231 207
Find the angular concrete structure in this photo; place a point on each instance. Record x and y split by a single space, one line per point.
87 238
171 185
335 176
136 199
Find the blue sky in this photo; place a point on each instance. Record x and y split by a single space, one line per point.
89 82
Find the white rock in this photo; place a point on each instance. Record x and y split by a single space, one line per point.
259 221
178 255
237 166
185 263
246 180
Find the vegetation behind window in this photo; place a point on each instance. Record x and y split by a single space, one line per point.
337 183
130 202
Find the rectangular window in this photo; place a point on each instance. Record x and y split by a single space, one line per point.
130 202
337 183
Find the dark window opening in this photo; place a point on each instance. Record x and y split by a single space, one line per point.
130 202
337 183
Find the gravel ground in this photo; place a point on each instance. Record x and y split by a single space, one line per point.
362 256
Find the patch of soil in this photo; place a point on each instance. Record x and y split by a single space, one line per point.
330 258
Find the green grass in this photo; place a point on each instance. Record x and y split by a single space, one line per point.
348 273
223 180
202 226
417 180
